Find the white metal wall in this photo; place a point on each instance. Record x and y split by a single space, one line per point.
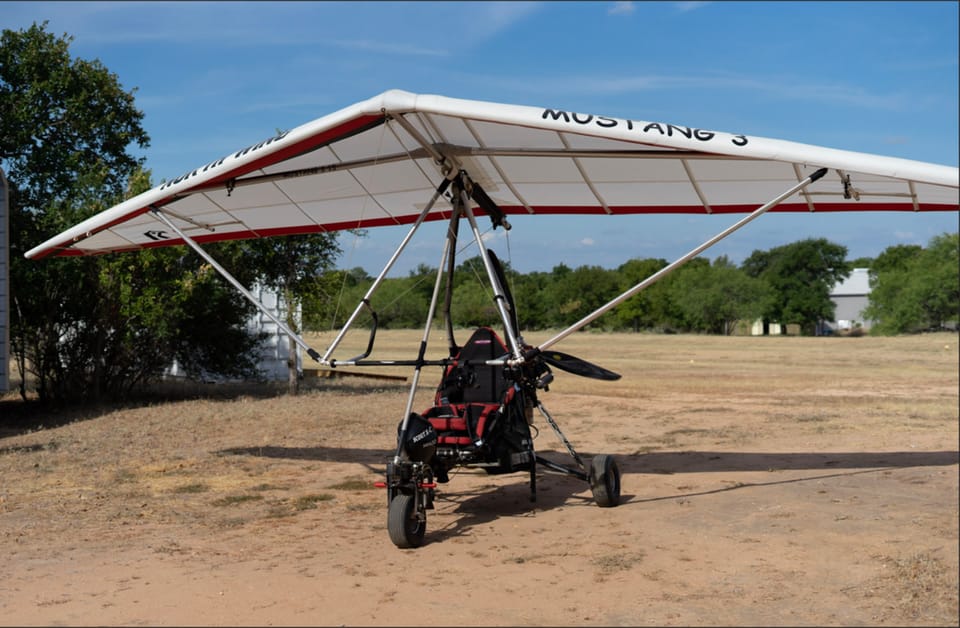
275 349
4 288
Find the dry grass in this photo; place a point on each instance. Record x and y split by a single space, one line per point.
732 414
919 581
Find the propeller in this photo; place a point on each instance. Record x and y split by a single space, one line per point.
502 278
563 361
577 366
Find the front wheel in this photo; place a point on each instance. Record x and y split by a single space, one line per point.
403 523
605 480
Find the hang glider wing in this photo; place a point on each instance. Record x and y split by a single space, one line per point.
379 162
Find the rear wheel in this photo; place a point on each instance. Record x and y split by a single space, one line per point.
605 481
405 528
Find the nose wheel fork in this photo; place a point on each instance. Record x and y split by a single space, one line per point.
410 492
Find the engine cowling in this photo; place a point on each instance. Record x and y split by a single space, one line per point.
421 441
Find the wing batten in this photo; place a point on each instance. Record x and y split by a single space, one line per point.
805 192
913 195
586 179
481 145
696 186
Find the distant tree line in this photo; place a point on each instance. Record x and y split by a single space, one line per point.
913 288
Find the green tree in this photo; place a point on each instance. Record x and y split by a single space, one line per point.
914 288
644 310
473 305
673 315
61 160
87 327
61 119
473 302
400 303
713 298
800 276
324 308
528 294
574 294
897 257
164 305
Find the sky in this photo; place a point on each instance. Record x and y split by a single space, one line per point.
875 77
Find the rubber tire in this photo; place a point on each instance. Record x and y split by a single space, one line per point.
406 530
605 481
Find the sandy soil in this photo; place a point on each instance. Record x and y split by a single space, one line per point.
766 481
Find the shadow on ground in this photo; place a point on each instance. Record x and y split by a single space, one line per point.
668 462
496 500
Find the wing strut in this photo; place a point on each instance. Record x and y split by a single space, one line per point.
418 368
236 284
663 272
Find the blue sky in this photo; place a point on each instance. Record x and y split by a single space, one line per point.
877 77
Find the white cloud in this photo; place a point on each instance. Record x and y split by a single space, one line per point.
367 45
278 24
501 15
621 8
690 6
587 242
783 89
905 236
896 140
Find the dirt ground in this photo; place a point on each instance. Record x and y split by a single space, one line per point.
766 481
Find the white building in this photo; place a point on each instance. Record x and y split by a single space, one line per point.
275 348
759 328
851 297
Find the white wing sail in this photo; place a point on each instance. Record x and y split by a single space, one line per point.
378 162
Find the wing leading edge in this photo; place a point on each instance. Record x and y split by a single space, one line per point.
379 161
